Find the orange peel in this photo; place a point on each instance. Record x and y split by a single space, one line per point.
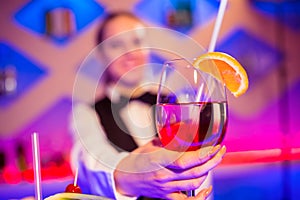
232 72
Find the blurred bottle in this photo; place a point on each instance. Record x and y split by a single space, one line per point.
60 23
2 165
179 15
21 157
8 80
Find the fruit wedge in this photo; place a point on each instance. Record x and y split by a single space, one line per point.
232 72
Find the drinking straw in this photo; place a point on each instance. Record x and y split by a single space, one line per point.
76 177
37 167
217 27
214 37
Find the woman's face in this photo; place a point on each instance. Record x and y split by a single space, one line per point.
123 51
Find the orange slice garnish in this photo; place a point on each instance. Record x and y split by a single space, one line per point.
232 73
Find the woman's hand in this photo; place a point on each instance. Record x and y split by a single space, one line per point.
154 171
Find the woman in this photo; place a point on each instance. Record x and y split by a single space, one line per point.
119 155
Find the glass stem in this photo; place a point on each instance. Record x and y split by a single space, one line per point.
191 193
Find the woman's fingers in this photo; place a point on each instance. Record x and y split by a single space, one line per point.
200 170
177 160
185 185
183 172
194 172
194 158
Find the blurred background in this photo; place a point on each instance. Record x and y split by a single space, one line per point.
43 43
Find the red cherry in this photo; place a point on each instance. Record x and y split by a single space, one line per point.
73 189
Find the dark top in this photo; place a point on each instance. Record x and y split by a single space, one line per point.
112 123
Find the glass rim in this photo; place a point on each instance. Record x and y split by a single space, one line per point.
188 60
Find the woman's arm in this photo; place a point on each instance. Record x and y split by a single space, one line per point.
93 154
